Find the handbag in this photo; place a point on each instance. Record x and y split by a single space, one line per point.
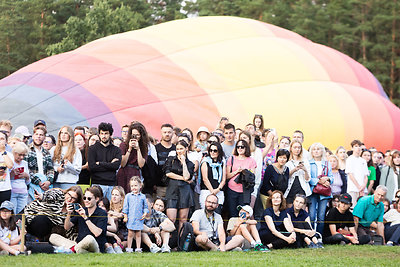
321 189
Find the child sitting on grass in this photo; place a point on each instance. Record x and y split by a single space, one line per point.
9 237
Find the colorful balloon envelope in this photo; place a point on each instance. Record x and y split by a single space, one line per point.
191 72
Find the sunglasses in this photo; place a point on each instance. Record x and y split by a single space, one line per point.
240 147
87 198
213 150
135 136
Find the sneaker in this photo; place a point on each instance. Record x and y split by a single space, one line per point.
138 250
154 249
319 245
312 245
389 244
236 249
261 247
110 250
129 250
118 250
165 249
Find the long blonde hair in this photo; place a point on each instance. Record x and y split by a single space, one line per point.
71 146
118 206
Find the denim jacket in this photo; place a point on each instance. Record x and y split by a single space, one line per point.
314 175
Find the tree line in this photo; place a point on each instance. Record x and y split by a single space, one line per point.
366 30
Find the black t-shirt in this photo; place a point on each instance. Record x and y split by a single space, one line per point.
298 220
340 220
295 189
98 218
278 221
162 155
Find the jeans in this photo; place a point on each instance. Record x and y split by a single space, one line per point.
106 190
233 199
19 200
317 211
63 186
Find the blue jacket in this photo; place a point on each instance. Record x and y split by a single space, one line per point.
314 175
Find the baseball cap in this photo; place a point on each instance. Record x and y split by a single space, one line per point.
7 205
37 122
246 208
22 130
345 198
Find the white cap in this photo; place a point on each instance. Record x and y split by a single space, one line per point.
22 130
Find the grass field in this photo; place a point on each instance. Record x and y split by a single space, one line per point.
330 256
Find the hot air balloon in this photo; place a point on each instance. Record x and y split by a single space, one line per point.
191 72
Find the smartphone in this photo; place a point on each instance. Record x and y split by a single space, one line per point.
242 215
76 206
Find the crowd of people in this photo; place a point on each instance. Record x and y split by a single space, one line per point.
229 189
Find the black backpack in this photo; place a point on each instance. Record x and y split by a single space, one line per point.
186 230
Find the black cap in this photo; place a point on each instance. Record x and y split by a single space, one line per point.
345 198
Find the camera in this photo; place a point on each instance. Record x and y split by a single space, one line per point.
215 240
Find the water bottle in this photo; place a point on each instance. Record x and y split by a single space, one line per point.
186 243
62 250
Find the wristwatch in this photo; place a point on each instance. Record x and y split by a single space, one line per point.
160 227
87 218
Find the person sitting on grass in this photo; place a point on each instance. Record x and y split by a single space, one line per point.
157 227
245 227
92 225
339 224
9 236
208 228
114 243
302 224
368 214
277 229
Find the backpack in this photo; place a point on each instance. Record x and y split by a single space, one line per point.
186 235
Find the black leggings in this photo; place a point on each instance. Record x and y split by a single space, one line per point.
269 238
336 239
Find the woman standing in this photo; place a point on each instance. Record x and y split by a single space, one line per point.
256 154
339 184
321 173
342 156
258 123
239 161
213 175
80 143
134 154
366 154
299 174
376 158
179 171
276 176
6 163
67 159
390 175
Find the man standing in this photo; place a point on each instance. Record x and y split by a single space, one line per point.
299 136
104 160
229 143
208 228
368 213
92 225
163 148
357 172
39 160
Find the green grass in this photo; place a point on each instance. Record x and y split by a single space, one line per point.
330 256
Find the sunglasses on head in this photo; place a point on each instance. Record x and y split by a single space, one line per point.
87 198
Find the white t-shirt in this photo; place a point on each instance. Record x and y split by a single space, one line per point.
18 185
71 169
207 225
6 235
5 183
359 168
39 158
392 216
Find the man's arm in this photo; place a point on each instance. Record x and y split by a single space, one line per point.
356 222
380 230
221 236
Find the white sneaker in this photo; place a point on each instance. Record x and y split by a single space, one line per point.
110 250
129 250
138 250
154 249
165 249
118 250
